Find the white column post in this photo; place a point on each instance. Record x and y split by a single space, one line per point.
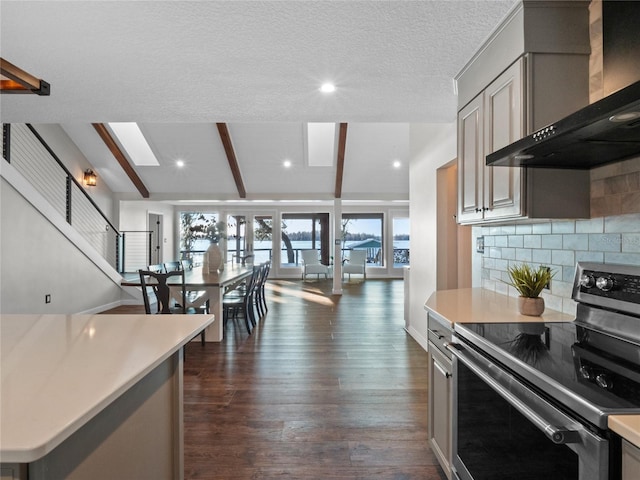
337 247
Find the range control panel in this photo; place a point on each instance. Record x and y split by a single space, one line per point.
611 286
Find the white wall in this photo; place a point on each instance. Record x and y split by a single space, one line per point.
72 158
134 216
432 146
38 259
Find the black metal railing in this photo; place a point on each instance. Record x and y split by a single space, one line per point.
29 154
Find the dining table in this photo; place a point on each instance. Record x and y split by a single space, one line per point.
214 283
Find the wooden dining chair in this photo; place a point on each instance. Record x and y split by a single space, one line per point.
242 301
158 283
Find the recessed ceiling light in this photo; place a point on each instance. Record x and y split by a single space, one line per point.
180 163
286 163
396 164
328 88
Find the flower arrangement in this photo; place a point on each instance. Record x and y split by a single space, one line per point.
529 281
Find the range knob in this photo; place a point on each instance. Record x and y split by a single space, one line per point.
587 281
604 381
586 372
604 283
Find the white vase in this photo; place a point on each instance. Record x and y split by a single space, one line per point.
214 259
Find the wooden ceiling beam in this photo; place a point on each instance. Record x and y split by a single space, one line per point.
223 130
19 81
342 143
121 158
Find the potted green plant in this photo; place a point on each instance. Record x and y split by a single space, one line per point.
529 282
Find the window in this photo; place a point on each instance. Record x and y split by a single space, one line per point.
192 243
236 237
303 232
363 231
262 238
401 245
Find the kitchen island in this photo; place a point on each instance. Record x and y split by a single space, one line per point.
93 396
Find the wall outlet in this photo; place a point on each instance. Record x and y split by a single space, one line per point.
548 285
47 298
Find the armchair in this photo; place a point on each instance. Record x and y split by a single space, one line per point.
356 264
311 265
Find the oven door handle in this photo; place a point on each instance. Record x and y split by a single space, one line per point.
558 435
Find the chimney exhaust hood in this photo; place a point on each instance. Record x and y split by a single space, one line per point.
605 131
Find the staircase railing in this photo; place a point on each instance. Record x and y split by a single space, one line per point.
30 155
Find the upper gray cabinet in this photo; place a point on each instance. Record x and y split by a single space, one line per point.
531 72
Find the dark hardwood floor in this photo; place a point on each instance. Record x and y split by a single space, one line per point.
327 387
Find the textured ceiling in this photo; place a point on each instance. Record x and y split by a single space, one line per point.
252 62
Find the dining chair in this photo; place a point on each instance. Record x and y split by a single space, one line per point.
242 301
157 267
195 298
311 264
158 283
356 263
261 302
172 266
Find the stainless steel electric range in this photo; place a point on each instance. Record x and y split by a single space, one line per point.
531 400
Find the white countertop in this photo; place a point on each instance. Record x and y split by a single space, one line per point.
59 371
477 305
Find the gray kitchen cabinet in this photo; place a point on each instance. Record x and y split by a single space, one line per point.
491 121
630 461
440 402
439 429
545 80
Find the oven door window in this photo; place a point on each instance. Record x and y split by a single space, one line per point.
496 442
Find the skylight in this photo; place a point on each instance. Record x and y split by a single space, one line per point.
133 142
321 144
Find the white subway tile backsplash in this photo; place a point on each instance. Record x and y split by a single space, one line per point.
561 289
523 255
559 245
605 242
622 258
563 257
597 257
523 229
516 241
541 256
631 242
552 301
541 228
509 253
532 241
567 273
594 225
501 241
567 226
575 241
552 241
623 223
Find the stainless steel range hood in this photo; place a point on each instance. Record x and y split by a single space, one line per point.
603 132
